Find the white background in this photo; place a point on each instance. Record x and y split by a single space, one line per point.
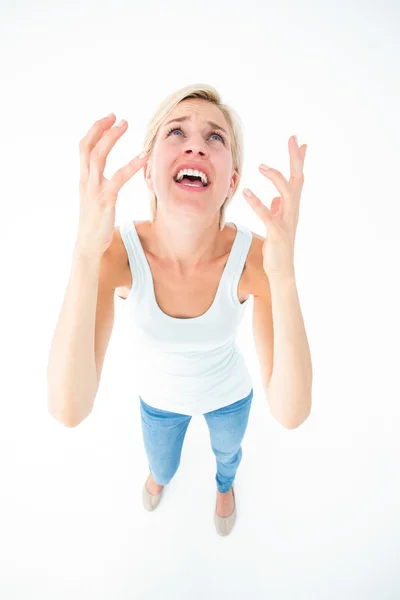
318 506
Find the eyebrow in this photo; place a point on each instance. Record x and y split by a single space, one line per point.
211 123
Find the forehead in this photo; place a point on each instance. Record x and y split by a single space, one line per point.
199 109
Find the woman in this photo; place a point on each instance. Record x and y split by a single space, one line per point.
187 277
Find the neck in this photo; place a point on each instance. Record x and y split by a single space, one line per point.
185 246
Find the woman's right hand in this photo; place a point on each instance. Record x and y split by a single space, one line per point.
98 195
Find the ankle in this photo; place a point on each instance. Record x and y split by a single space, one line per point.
153 482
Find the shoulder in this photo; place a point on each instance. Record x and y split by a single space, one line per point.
115 260
257 279
254 281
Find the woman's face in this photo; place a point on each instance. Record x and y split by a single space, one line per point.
193 140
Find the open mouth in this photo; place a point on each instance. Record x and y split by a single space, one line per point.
192 183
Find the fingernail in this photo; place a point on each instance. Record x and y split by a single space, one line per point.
262 166
295 139
142 154
121 123
247 192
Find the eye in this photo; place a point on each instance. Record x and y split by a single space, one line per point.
174 129
219 135
212 133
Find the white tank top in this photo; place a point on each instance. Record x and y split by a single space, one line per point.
192 365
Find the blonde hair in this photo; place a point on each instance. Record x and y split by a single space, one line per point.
209 93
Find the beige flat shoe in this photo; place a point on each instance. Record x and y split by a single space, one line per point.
151 502
224 525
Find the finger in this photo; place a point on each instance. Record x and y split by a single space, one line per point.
123 175
297 155
276 206
259 208
279 181
87 143
303 150
100 152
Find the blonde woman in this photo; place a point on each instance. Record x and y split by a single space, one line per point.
186 277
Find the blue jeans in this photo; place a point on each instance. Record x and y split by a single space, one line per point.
164 433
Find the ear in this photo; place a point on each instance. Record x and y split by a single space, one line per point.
147 176
234 182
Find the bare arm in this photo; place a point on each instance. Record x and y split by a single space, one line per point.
87 315
72 375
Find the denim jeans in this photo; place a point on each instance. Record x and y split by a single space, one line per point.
164 433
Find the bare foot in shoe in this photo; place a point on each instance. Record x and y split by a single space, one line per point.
152 487
225 504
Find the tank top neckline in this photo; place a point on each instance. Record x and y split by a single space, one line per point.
150 275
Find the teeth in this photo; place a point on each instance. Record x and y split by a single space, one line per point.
192 172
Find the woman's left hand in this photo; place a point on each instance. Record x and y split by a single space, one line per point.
281 220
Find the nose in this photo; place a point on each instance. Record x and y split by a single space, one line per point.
195 145
192 149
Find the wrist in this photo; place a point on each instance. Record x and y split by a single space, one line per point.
82 252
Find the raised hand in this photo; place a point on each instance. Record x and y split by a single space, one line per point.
281 220
98 195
